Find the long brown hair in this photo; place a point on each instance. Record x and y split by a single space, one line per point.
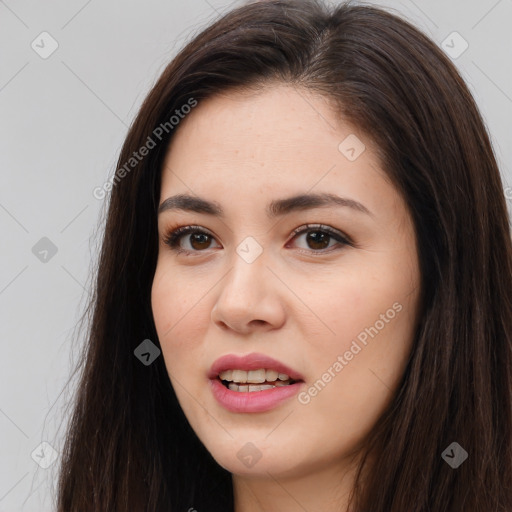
129 445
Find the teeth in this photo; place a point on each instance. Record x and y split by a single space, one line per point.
252 376
272 375
227 375
256 376
239 376
253 387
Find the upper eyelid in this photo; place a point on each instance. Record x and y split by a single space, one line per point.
300 229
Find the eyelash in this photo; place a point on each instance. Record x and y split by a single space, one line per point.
173 237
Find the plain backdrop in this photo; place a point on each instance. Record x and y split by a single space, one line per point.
64 116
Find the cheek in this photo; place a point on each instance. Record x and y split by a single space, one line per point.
358 304
175 313
356 374
174 303
176 308
369 323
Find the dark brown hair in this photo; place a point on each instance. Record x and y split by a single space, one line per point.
129 445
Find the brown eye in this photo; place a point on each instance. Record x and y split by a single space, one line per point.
318 238
198 240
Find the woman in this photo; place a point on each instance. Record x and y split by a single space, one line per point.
304 294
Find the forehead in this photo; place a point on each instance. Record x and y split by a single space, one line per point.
272 134
242 150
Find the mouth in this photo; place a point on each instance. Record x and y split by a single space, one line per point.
252 383
254 380
253 369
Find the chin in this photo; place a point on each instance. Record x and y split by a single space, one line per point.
249 456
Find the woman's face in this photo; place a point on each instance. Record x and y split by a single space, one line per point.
335 303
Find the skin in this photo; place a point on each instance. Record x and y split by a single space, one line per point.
301 302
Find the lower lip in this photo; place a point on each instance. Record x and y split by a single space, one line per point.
254 401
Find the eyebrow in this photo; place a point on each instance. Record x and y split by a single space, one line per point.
275 208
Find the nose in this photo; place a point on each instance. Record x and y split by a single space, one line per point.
249 298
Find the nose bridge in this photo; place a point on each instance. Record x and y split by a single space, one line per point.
244 294
247 273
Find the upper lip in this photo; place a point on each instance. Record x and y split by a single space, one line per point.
253 361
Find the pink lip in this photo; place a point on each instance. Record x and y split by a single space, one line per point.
248 362
254 401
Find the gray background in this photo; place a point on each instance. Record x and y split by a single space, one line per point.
63 120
